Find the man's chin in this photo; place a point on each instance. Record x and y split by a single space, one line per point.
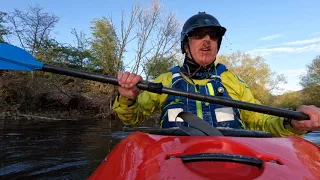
206 62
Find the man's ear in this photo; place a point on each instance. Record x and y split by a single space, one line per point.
186 49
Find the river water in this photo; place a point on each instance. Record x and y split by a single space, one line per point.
60 149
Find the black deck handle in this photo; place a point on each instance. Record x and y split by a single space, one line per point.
221 158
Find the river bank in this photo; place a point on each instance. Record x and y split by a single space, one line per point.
47 96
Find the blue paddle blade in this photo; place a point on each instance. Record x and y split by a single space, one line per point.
15 58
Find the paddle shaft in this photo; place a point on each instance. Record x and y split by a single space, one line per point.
158 88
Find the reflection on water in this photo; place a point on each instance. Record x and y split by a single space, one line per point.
61 149
56 150
313 137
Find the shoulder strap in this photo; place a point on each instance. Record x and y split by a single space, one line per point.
175 73
221 68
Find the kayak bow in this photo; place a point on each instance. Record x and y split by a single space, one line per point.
149 156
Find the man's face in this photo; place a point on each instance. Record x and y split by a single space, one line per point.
203 45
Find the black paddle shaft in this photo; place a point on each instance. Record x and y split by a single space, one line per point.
158 88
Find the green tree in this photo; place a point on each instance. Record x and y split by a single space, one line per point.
311 83
65 55
53 52
104 46
80 54
3 30
159 65
290 100
75 56
255 72
313 74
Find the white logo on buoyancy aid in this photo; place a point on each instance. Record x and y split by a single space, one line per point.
173 113
224 114
175 75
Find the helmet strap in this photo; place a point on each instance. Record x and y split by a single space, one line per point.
191 54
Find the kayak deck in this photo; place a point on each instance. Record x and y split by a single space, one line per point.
148 156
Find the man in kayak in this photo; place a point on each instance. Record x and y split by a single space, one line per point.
201 38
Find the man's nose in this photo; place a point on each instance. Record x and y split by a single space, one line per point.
207 37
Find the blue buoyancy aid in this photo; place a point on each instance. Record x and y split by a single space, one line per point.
215 114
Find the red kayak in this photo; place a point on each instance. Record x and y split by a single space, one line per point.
151 156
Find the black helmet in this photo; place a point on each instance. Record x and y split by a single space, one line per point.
200 20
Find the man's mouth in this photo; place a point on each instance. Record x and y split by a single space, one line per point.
205 49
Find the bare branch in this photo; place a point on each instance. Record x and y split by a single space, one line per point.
166 39
147 21
126 31
32 27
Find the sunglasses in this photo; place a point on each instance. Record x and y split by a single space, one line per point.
214 35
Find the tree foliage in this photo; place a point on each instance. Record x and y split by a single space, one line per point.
290 100
311 83
255 72
159 65
80 55
76 56
104 46
313 74
53 51
3 30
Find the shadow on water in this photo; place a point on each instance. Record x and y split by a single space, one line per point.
60 149
55 150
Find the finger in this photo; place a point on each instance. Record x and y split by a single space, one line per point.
310 129
135 91
306 108
314 114
315 123
122 91
124 79
135 80
120 74
306 125
130 78
311 111
301 125
128 93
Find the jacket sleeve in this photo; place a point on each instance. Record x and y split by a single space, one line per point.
131 112
263 122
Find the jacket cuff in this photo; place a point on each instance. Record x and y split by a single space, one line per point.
125 100
289 127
